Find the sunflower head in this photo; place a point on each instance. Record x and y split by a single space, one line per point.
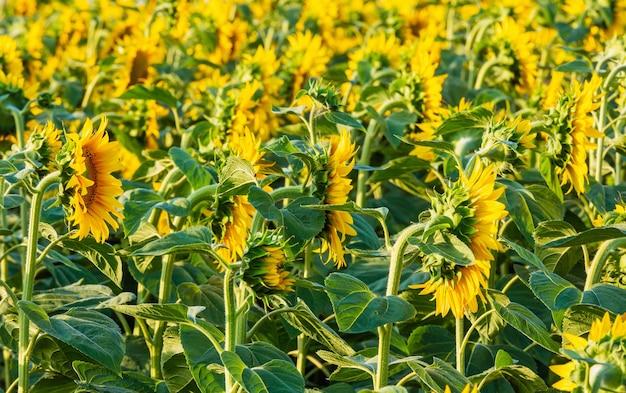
45 143
88 160
264 265
598 363
465 217
571 125
332 185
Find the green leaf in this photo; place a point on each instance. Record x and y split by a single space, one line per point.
139 204
203 360
90 332
379 213
592 235
386 389
94 378
102 255
490 95
578 319
398 168
554 291
609 297
358 310
454 251
248 379
236 177
143 92
439 375
303 319
282 147
521 378
193 239
280 376
503 359
343 119
442 146
549 175
397 124
11 200
303 223
295 110
527 323
175 313
76 295
527 256
264 204
197 174
208 296
575 66
432 341
559 260
356 362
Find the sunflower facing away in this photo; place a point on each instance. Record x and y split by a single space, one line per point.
92 188
335 191
572 126
471 206
599 362
265 260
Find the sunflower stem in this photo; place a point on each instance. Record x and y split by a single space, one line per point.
460 349
601 257
303 341
393 283
230 336
28 284
4 275
483 72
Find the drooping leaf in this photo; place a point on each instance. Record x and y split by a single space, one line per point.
554 291
438 375
397 168
197 174
345 119
432 341
203 360
303 319
102 255
139 204
236 177
193 239
559 260
525 322
527 256
90 332
609 297
592 235
94 378
143 92
522 379
358 310
303 223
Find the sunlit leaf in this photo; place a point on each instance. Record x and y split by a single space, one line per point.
193 239
197 174
102 255
143 92
554 291
343 118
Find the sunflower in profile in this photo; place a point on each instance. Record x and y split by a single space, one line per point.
46 141
306 57
471 209
92 188
571 126
265 260
599 362
334 189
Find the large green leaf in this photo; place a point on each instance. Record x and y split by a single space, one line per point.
209 296
236 177
521 378
345 119
523 320
94 378
609 297
527 256
175 313
203 360
301 222
197 174
358 310
397 168
75 295
277 375
303 319
102 255
90 332
578 319
143 92
554 291
453 250
139 204
193 239
432 341
362 366
438 375
592 235
177 374
265 204
559 260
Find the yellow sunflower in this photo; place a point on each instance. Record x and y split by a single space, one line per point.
572 125
336 190
47 142
265 260
11 61
598 362
467 389
471 204
92 187
305 57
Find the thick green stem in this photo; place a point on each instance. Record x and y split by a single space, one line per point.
303 341
230 336
602 255
28 283
4 275
165 289
460 350
393 284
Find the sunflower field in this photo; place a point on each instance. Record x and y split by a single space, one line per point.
334 196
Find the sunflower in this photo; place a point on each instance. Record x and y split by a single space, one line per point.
46 142
305 57
598 362
92 188
514 43
335 190
472 209
467 389
265 260
571 125
11 62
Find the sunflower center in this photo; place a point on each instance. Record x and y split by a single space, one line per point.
91 173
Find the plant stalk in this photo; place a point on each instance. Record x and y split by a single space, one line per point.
30 266
393 283
602 255
460 349
230 335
